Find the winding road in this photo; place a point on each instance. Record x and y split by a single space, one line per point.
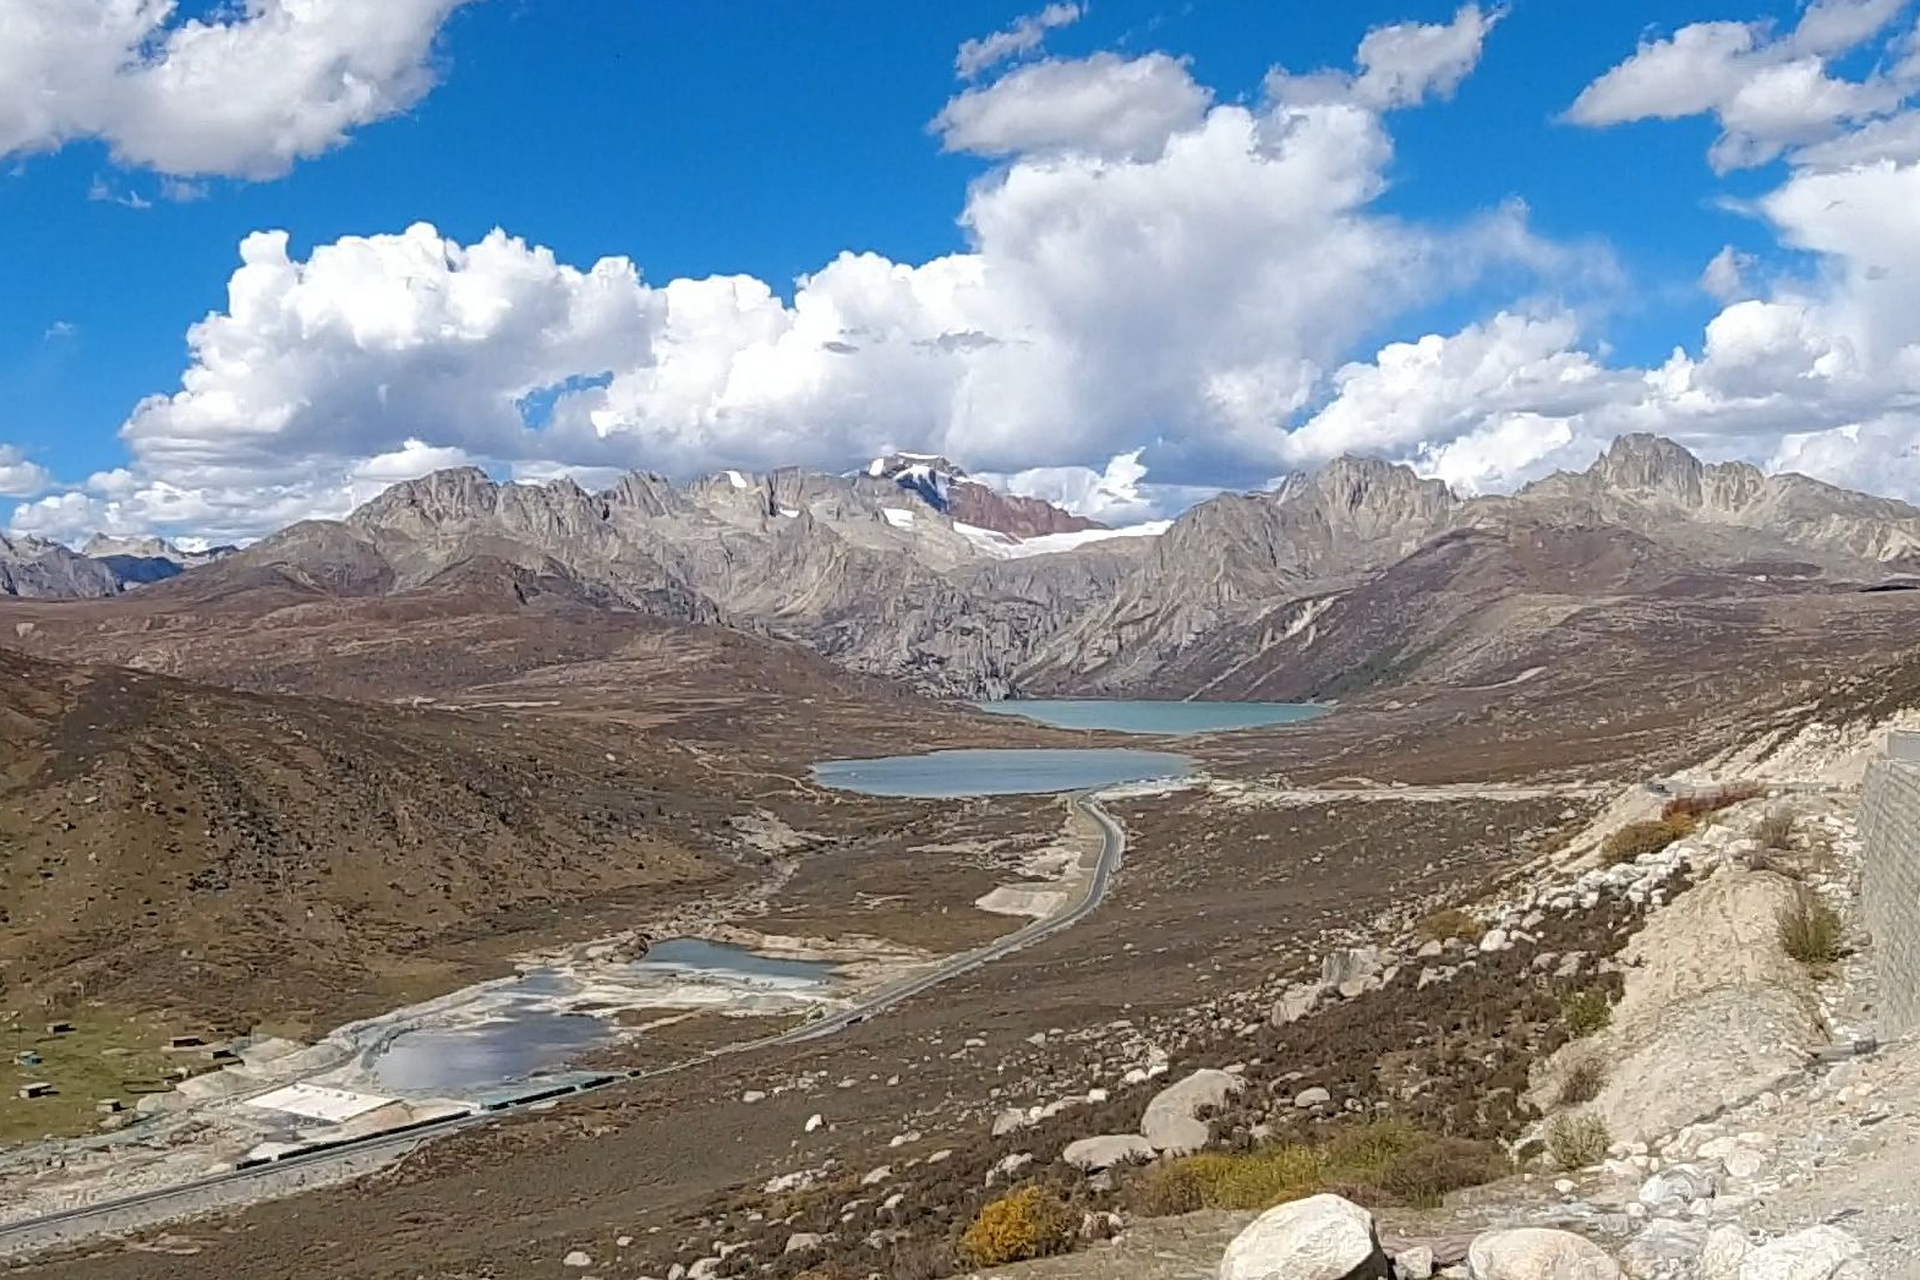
293 1173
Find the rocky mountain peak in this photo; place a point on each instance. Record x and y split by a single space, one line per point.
1641 462
646 493
455 493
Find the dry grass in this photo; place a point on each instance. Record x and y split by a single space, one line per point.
1775 830
1810 931
1699 806
1581 1079
1640 838
1387 1162
1449 922
1577 1140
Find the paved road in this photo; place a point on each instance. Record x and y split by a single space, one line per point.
300 1172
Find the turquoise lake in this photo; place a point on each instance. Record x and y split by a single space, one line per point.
996 772
1124 715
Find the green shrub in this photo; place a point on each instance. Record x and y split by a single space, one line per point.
1586 1012
1810 930
1029 1223
1638 838
1576 1140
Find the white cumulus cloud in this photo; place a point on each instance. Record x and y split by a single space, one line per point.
242 93
1770 91
1103 105
20 476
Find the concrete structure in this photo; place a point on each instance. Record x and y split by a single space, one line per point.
1890 879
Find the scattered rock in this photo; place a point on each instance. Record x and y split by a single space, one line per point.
814 1121
1351 970
1413 1264
1538 1253
1008 1120
1675 1187
1096 1155
1818 1253
1172 1120
1296 1002
1664 1248
1720 1258
1008 1165
577 1258
1314 1097
804 1241
1322 1237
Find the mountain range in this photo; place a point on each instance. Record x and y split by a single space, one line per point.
1335 581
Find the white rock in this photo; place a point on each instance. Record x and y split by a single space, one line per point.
1678 1184
1296 1002
1818 1253
1008 1120
1319 1238
753 1095
802 1241
1172 1120
1741 1162
1314 1097
1008 1165
704 1269
1720 1258
1413 1264
1494 940
814 1121
1095 1155
1538 1253
1565 1186
874 1177
941 1156
576 1259
623 1241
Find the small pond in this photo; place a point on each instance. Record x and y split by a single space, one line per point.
525 1036
1152 716
998 772
521 1043
699 957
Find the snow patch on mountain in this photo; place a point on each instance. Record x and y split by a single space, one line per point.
1007 547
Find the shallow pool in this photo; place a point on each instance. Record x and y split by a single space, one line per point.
521 1043
1143 715
698 956
998 772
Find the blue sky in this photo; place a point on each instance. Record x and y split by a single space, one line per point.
765 139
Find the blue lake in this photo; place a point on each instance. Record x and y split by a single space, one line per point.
997 772
1152 716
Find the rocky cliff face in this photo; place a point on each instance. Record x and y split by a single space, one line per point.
33 567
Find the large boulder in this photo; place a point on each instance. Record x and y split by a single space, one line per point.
1320 1238
1296 1002
1538 1253
1351 970
1172 1120
1093 1155
1818 1253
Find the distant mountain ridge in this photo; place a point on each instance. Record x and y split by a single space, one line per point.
1335 581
